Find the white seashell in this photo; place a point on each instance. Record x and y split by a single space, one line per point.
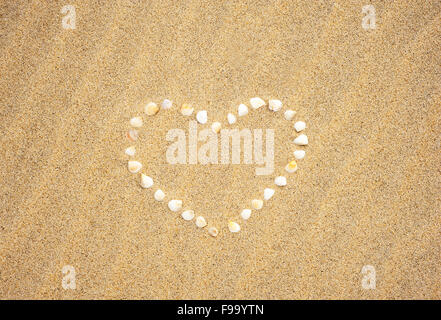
301 140
257 102
213 231
268 193
136 122
166 104
186 109
175 205
188 215
200 222
216 127
202 117
275 105
151 108
280 181
231 118
245 214
257 204
289 114
130 151
233 226
299 126
159 195
134 166
299 154
242 110
146 181
291 166
132 134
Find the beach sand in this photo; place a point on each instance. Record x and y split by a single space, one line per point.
367 192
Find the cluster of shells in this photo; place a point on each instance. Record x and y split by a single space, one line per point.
175 205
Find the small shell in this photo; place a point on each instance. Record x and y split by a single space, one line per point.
299 126
275 105
245 214
213 231
289 114
166 104
231 118
186 109
268 193
202 117
257 204
291 166
200 222
151 108
159 195
280 181
175 205
188 215
130 151
299 154
136 122
216 127
146 181
132 134
301 140
257 102
233 226
242 110
134 166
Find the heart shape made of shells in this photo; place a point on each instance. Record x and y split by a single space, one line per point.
187 110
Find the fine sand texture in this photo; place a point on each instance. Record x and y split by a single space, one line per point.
367 192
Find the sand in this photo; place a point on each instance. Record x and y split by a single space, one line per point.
367 192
